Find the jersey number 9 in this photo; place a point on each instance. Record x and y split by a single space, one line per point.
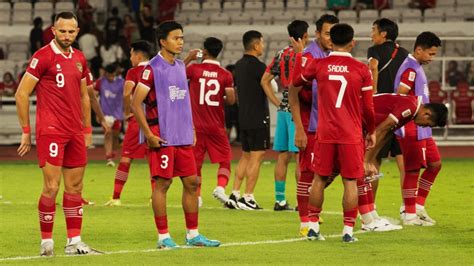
60 80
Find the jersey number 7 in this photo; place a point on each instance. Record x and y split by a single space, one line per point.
342 89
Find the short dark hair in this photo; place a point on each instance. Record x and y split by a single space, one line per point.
115 11
426 40
326 18
111 68
165 28
297 28
142 46
38 21
439 113
213 46
388 26
341 34
65 15
249 37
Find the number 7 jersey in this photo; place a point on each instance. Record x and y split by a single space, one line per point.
344 96
59 76
207 84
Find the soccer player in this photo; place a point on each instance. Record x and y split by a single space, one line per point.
254 120
284 141
418 147
110 88
211 87
63 129
306 119
169 132
344 98
140 54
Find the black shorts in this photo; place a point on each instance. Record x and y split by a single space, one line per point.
392 148
255 139
231 116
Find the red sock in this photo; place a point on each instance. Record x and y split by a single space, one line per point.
302 194
313 213
109 156
161 223
121 176
424 184
370 197
72 205
363 198
47 211
223 174
191 220
350 217
409 191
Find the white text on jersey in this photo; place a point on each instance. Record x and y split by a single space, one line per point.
337 69
209 74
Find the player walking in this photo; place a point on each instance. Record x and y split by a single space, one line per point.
63 129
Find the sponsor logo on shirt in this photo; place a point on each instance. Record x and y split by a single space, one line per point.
176 93
146 74
411 76
109 94
406 113
33 63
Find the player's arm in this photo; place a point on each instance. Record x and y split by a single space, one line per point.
86 112
96 108
300 136
368 108
382 135
229 95
267 88
373 66
127 96
22 95
191 56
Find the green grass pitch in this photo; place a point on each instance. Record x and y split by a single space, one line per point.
128 233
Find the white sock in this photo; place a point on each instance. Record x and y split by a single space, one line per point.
236 193
249 197
347 230
304 225
402 208
74 240
374 215
409 216
46 240
314 226
192 233
219 188
420 207
367 218
163 236
282 203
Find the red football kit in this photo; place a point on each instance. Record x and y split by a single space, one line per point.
59 124
400 108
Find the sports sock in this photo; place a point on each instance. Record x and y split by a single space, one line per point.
72 206
161 223
313 213
424 184
47 211
302 194
121 176
73 240
350 217
163 236
192 233
280 190
409 192
223 174
304 224
370 197
363 203
348 230
191 223
236 193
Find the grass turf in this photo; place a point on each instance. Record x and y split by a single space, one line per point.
128 232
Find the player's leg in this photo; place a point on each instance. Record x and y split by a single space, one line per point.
121 177
302 196
218 148
158 203
199 152
240 172
108 143
315 206
433 166
280 144
349 204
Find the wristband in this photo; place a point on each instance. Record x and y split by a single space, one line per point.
87 130
26 130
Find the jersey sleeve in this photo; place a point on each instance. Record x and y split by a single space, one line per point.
38 65
89 78
189 71
270 66
97 84
366 79
302 63
260 70
407 80
131 76
229 80
146 79
404 112
367 100
85 69
372 53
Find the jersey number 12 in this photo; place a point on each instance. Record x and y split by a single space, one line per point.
342 89
206 96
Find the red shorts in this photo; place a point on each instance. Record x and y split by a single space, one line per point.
61 150
306 156
216 145
416 153
117 125
168 162
348 158
131 148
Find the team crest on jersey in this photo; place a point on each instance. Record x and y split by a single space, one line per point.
146 74
176 93
411 76
79 66
406 113
33 63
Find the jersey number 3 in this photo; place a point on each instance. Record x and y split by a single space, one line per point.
206 96
342 89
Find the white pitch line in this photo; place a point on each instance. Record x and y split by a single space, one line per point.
263 242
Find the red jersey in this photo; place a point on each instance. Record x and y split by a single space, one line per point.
89 78
305 99
147 79
344 96
59 75
282 66
207 84
407 80
133 74
401 108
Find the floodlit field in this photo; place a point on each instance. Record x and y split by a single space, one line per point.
128 235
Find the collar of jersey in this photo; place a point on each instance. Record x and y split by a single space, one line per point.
340 54
144 63
57 51
210 61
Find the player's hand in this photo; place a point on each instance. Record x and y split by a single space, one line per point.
301 140
88 139
192 55
154 142
298 46
106 127
370 141
369 169
25 144
194 139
